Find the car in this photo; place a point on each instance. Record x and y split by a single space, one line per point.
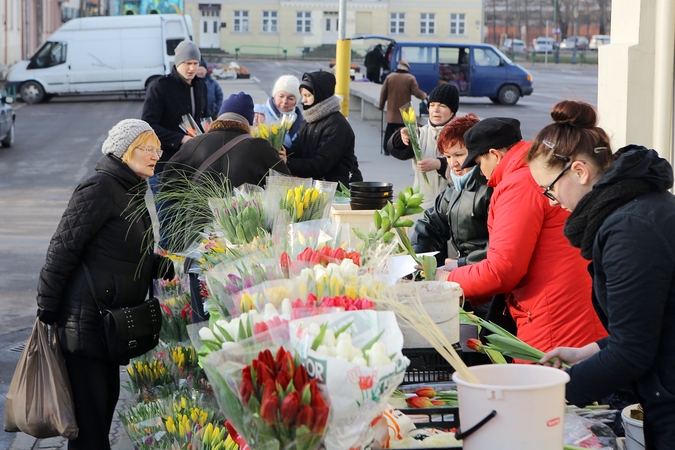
544 44
580 42
598 40
7 119
514 46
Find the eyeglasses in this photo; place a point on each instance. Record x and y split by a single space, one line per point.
547 191
152 150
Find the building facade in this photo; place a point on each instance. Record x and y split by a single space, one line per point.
291 27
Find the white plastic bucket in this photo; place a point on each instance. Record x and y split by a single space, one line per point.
529 402
635 437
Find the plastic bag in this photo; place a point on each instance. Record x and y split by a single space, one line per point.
39 400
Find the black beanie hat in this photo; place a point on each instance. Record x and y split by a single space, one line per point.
446 94
320 84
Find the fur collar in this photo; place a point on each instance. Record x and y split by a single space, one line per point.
218 125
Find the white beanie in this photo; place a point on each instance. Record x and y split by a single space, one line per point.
289 84
122 135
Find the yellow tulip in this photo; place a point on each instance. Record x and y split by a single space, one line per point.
183 403
301 207
405 116
275 129
412 116
170 425
246 303
315 194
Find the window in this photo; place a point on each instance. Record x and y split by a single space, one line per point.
427 23
486 57
397 23
418 54
51 54
303 22
269 23
215 26
457 24
241 21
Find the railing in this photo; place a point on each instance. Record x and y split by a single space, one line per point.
278 49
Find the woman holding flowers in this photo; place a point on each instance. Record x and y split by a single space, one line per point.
429 166
284 101
98 231
623 220
324 149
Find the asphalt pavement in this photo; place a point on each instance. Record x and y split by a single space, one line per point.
59 142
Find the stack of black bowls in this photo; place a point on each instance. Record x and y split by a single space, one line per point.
370 194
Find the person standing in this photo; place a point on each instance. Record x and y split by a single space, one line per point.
324 149
623 221
397 90
172 96
547 286
284 100
214 94
375 62
443 106
96 230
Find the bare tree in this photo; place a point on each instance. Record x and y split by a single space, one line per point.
602 19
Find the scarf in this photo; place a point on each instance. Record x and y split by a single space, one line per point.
322 109
458 181
583 224
293 131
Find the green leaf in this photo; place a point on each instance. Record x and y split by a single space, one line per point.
370 344
224 332
319 338
343 329
360 234
494 356
429 267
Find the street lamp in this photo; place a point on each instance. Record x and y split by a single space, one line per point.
556 29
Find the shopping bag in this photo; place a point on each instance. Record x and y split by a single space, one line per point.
39 400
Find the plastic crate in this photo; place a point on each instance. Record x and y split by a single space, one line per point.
426 366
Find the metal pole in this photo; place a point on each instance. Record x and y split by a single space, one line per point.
343 59
556 30
576 38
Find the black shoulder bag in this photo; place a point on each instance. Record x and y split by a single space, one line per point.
131 331
218 153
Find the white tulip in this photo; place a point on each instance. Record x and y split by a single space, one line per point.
324 350
378 359
348 268
222 324
205 334
286 308
329 338
234 328
270 312
314 329
360 361
344 349
379 347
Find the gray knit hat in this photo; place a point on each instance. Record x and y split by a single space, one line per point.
122 135
185 51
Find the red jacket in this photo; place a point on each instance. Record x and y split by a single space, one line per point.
530 258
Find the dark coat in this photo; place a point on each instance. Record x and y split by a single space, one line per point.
634 294
375 60
459 217
396 92
166 101
214 96
95 230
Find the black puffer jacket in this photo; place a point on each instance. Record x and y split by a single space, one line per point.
94 230
459 217
166 101
634 294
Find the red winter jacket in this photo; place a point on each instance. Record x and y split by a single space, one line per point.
530 258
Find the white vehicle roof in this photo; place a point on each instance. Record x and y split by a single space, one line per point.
107 22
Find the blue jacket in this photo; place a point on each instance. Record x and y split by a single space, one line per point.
272 115
214 96
634 293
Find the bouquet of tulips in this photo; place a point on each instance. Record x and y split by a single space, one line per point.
274 133
240 217
304 204
267 395
189 126
410 122
175 318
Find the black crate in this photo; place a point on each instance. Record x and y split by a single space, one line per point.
426 366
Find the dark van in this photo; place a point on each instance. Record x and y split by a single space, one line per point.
477 70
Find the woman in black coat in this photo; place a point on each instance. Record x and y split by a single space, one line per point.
324 148
623 220
96 231
459 215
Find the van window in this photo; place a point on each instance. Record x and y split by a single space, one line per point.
486 57
51 54
171 45
453 67
418 54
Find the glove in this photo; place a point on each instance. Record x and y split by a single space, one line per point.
46 317
169 272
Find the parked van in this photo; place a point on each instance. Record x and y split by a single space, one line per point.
101 55
477 70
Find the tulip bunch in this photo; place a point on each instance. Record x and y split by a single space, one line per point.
276 132
212 250
239 217
175 319
337 280
427 397
410 122
184 360
304 203
214 437
145 375
343 301
282 404
187 419
339 345
327 255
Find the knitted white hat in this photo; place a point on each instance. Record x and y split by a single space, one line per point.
289 84
122 135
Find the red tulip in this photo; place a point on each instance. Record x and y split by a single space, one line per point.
438 402
263 373
166 309
267 358
269 404
419 402
320 419
426 392
283 378
305 416
246 390
300 379
290 407
284 362
475 344
285 263
317 399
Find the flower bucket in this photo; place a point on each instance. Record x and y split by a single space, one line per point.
635 438
441 301
516 407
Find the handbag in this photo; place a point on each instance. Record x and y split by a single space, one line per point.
217 154
130 331
39 399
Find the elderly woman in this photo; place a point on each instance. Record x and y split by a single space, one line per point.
284 100
96 230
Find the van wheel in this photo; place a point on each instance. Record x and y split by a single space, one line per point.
495 100
32 92
509 95
9 139
150 81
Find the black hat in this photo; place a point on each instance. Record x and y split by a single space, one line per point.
494 132
446 94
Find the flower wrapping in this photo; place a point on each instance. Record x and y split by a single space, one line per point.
275 132
358 394
240 217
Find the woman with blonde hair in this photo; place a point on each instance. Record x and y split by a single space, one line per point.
98 234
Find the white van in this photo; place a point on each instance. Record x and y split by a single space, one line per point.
101 54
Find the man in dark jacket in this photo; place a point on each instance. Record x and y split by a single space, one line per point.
214 92
374 62
324 148
249 161
173 96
